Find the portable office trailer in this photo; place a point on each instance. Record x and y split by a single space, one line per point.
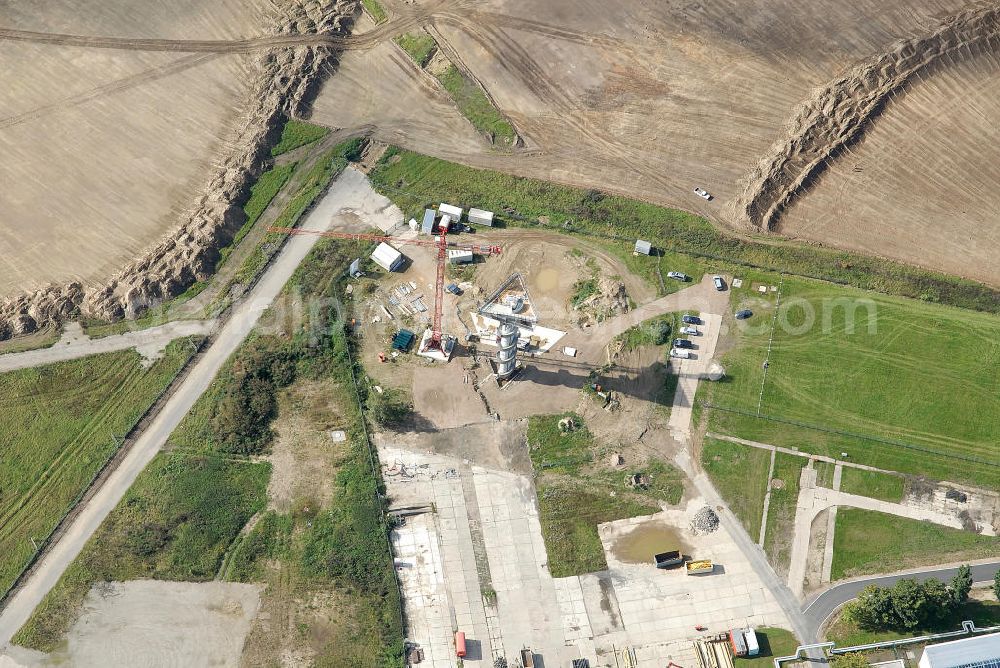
453 211
387 257
753 647
456 256
480 217
427 227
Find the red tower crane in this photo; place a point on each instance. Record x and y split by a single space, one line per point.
442 246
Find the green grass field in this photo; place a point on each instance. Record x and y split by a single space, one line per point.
917 380
739 473
773 642
781 511
866 541
419 46
569 512
575 493
296 134
884 486
414 181
475 106
186 509
375 10
58 427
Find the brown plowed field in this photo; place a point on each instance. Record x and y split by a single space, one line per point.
653 98
922 184
103 150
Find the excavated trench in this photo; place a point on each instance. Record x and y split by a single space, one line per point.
283 83
839 113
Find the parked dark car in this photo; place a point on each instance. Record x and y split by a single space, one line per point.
691 319
744 314
683 343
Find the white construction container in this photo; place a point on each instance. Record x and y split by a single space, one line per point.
453 211
480 217
387 257
753 647
427 227
456 256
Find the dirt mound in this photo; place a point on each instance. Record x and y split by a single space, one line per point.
610 299
838 113
283 83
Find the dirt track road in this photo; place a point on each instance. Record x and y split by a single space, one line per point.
75 344
343 195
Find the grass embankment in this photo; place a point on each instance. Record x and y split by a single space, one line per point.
575 492
375 11
781 510
475 106
297 133
884 486
268 185
314 183
773 642
868 373
59 425
469 97
868 542
846 633
419 46
739 473
190 505
413 181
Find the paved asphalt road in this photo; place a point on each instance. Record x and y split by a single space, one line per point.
242 320
819 609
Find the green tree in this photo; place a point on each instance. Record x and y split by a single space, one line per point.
939 601
961 585
852 660
909 602
996 585
873 609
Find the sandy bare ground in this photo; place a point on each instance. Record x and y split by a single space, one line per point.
652 99
153 623
104 149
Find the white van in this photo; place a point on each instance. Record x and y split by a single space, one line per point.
680 353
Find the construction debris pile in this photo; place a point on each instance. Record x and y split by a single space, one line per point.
705 521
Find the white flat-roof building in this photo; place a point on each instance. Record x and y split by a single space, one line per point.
643 247
976 652
451 210
481 217
387 257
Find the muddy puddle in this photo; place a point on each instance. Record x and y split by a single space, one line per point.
639 545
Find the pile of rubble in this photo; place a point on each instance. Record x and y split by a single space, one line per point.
705 521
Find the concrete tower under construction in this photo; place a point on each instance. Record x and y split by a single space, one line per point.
511 307
507 334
